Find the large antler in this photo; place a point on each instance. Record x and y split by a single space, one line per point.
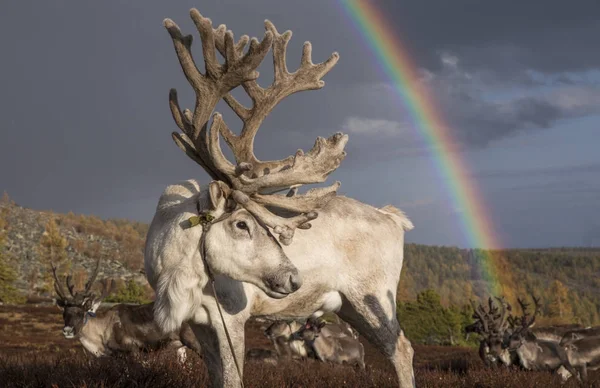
92 279
57 284
501 324
480 314
525 322
250 179
212 86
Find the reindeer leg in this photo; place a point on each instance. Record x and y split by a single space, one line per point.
583 372
216 352
374 316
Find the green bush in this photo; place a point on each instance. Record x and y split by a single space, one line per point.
131 293
426 321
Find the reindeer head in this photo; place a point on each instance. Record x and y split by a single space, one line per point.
491 325
241 242
310 331
77 307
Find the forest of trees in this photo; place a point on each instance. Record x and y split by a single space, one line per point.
566 279
433 295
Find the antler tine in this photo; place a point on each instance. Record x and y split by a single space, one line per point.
92 279
57 285
481 315
523 305
71 286
503 314
536 302
314 198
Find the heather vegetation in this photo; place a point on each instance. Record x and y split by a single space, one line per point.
34 353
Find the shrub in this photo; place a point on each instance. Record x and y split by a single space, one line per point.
132 292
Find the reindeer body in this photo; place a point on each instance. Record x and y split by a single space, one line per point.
338 349
130 329
582 355
539 355
280 333
342 272
581 333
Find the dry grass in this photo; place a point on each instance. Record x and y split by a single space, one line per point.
33 353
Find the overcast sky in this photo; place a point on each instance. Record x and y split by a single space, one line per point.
85 124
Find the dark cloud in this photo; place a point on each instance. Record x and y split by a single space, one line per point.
86 126
556 171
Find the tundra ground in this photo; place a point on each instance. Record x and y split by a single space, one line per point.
33 353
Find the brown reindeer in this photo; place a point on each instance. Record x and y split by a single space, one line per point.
121 329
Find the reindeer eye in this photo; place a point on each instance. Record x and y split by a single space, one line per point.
242 225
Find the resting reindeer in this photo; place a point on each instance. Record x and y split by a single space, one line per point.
122 328
280 333
492 327
581 351
575 334
348 260
536 349
339 349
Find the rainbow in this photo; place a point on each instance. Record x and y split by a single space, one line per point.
393 57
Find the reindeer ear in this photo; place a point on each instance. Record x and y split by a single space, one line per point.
219 192
61 303
94 304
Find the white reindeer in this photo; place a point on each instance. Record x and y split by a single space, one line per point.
348 262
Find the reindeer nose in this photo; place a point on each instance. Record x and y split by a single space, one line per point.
295 282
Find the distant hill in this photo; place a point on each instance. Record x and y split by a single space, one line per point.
118 244
566 279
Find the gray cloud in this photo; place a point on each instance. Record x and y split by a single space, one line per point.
86 126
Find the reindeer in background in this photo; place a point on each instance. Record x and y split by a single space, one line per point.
120 329
491 325
536 349
339 348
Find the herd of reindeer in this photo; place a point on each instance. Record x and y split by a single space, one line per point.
505 339
129 328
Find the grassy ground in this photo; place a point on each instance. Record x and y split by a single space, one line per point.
33 353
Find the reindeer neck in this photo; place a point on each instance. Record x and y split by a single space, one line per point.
97 327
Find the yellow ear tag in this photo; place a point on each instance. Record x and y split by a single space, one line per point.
194 221
202 219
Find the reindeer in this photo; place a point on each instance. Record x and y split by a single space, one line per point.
287 345
339 350
536 349
491 325
121 329
280 333
337 329
581 354
348 260
578 334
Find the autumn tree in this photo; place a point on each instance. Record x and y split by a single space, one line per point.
52 249
8 275
559 306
